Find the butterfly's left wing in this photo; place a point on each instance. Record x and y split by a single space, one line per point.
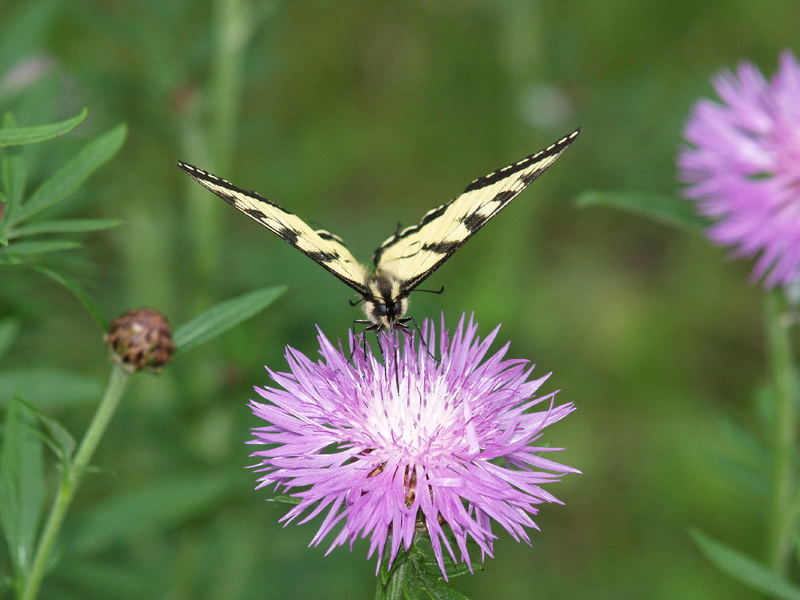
323 247
412 254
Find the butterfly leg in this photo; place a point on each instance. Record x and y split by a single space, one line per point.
363 335
403 323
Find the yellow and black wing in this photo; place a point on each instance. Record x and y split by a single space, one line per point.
323 247
412 254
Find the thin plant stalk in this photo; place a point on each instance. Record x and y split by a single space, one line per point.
233 28
783 517
70 479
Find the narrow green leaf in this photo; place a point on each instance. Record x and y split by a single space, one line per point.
64 226
37 104
284 499
21 484
14 172
9 328
49 388
430 580
3 209
38 247
457 570
745 569
223 316
54 434
28 135
669 210
70 176
394 589
132 511
77 290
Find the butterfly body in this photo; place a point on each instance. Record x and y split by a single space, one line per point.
410 255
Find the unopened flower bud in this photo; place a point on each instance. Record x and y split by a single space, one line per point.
141 339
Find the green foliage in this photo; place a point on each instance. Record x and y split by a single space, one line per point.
15 136
369 114
131 512
223 316
745 569
9 329
49 388
669 210
415 576
65 226
21 484
23 31
79 292
71 175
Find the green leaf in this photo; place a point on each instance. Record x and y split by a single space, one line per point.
223 316
430 580
28 135
741 456
49 388
81 294
398 579
132 511
64 226
54 434
745 569
70 176
9 328
21 484
14 171
39 247
284 499
664 209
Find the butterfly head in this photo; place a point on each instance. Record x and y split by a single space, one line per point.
386 304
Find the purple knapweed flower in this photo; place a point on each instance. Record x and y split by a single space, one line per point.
744 168
385 447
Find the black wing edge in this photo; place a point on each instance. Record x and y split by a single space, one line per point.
476 184
494 176
198 174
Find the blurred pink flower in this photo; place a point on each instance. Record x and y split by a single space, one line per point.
387 447
743 168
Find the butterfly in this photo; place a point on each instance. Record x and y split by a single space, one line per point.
410 255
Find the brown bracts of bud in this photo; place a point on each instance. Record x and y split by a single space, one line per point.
141 339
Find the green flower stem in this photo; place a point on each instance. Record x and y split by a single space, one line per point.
783 517
71 477
233 20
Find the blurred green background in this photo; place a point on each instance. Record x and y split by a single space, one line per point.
357 115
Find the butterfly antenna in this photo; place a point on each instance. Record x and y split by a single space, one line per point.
357 302
439 291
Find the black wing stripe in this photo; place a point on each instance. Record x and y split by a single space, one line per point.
415 252
321 246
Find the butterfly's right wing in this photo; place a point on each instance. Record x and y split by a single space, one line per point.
412 254
323 247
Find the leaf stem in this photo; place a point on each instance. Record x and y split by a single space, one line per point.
70 478
783 517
